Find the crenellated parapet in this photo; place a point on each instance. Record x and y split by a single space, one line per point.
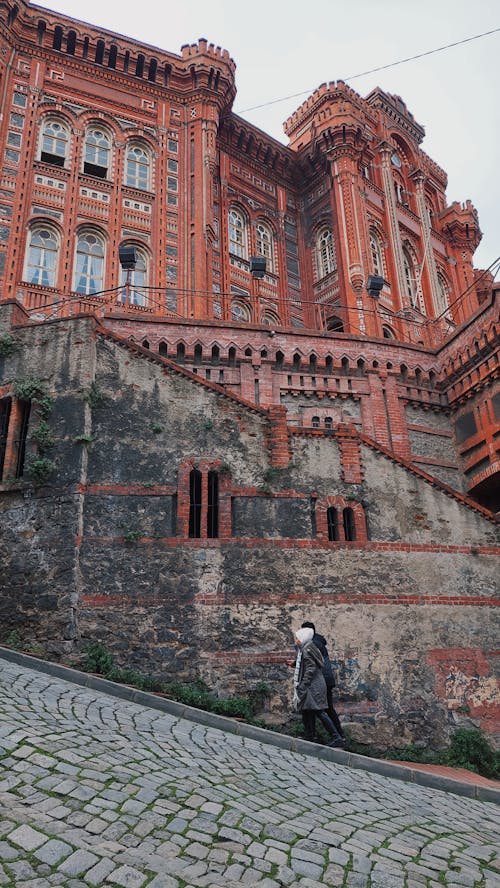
395 111
460 224
202 68
321 117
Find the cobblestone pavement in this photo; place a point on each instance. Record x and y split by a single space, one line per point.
98 791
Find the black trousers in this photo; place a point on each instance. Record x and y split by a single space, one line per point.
309 722
332 713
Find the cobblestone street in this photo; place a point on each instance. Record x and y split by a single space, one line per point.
96 791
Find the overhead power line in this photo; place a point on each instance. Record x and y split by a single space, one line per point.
419 55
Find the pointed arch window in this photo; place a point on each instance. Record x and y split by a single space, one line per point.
237 235
265 245
137 280
376 253
138 167
443 304
325 252
55 143
409 277
97 153
89 268
42 256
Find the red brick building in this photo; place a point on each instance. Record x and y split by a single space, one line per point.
107 142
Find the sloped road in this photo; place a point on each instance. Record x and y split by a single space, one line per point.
99 791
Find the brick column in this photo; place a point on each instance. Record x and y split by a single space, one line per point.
279 449
350 454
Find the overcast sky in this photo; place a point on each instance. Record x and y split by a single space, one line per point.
283 47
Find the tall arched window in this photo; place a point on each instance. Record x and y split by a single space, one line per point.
237 234
443 304
55 141
349 524
409 276
97 153
325 252
89 269
332 519
138 279
199 509
264 243
376 253
138 167
41 263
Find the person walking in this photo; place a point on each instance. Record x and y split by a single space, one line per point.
320 642
310 697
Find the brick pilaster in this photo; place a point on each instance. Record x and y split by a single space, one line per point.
350 454
279 447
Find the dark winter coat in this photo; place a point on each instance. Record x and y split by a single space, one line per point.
311 687
320 642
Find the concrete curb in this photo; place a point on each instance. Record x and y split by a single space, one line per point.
230 726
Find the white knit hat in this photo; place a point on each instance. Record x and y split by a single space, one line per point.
303 635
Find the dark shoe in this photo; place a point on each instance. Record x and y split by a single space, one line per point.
335 744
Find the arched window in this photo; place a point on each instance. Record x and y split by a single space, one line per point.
137 280
349 524
270 318
195 503
442 300
264 243
335 324
240 311
54 144
332 518
196 497
409 277
97 153
376 253
138 167
41 263
237 235
89 270
388 332
325 252
315 422
328 422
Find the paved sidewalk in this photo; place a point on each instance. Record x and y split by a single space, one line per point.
100 791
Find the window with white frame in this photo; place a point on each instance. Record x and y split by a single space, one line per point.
137 280
138 167
237 234
55 142
264 243
89 268
325 252
42 255
409 277
97 153
376 253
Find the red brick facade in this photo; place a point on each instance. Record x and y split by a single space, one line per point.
107 142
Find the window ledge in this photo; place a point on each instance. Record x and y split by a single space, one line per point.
15 486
